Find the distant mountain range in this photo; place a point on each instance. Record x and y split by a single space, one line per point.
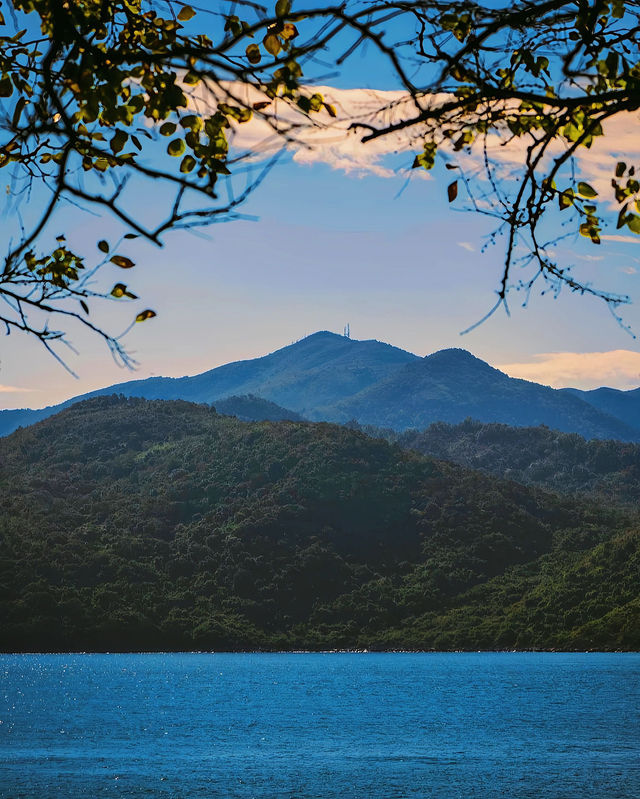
327 377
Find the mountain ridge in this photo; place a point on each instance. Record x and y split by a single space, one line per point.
329 377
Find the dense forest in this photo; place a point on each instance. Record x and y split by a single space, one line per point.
135 524
564 463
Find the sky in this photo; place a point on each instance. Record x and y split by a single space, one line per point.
335 235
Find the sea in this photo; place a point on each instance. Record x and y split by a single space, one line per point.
323 725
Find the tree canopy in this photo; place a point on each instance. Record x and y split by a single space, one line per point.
98 95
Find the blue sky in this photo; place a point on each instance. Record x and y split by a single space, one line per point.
325 248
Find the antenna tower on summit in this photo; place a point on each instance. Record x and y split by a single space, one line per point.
347 331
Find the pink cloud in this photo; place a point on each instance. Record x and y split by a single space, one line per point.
586 370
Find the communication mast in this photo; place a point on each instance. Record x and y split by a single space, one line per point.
347 331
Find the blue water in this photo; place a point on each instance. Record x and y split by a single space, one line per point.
382 726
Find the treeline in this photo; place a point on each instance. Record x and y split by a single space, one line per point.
134 524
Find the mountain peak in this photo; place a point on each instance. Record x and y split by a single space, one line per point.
454 355
320 334
457 358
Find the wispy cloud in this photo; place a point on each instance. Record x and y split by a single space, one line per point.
466 245
586 370
337 141
629 270
622 239
16 390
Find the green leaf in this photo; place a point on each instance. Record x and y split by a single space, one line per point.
452 191
188 163
191 121
585 190
18 111
283 7
120 290
122 261
102 245
621 168
118 141
144 315
633 223
426 159
168 128
176 147
186 13
253 54
622 217
6 86
590 231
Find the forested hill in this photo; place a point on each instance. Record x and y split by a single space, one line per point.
561 462
326 377
451 385
249 408
624 405
129 524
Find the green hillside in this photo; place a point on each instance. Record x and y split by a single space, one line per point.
133 524
249 408
560 462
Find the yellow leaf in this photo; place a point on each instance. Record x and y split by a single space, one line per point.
122 261
585 190
186 13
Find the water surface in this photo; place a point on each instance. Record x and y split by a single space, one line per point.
381 726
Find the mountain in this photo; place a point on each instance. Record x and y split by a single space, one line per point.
624 405
560 462
326 377
318 370
135 524
452 385
250 408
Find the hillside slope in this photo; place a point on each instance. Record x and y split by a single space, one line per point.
163 525
452 385
624 405
318 370
326 377
249 408
560 462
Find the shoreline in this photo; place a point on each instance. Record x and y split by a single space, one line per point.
327 652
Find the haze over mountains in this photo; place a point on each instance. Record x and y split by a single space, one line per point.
327 377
